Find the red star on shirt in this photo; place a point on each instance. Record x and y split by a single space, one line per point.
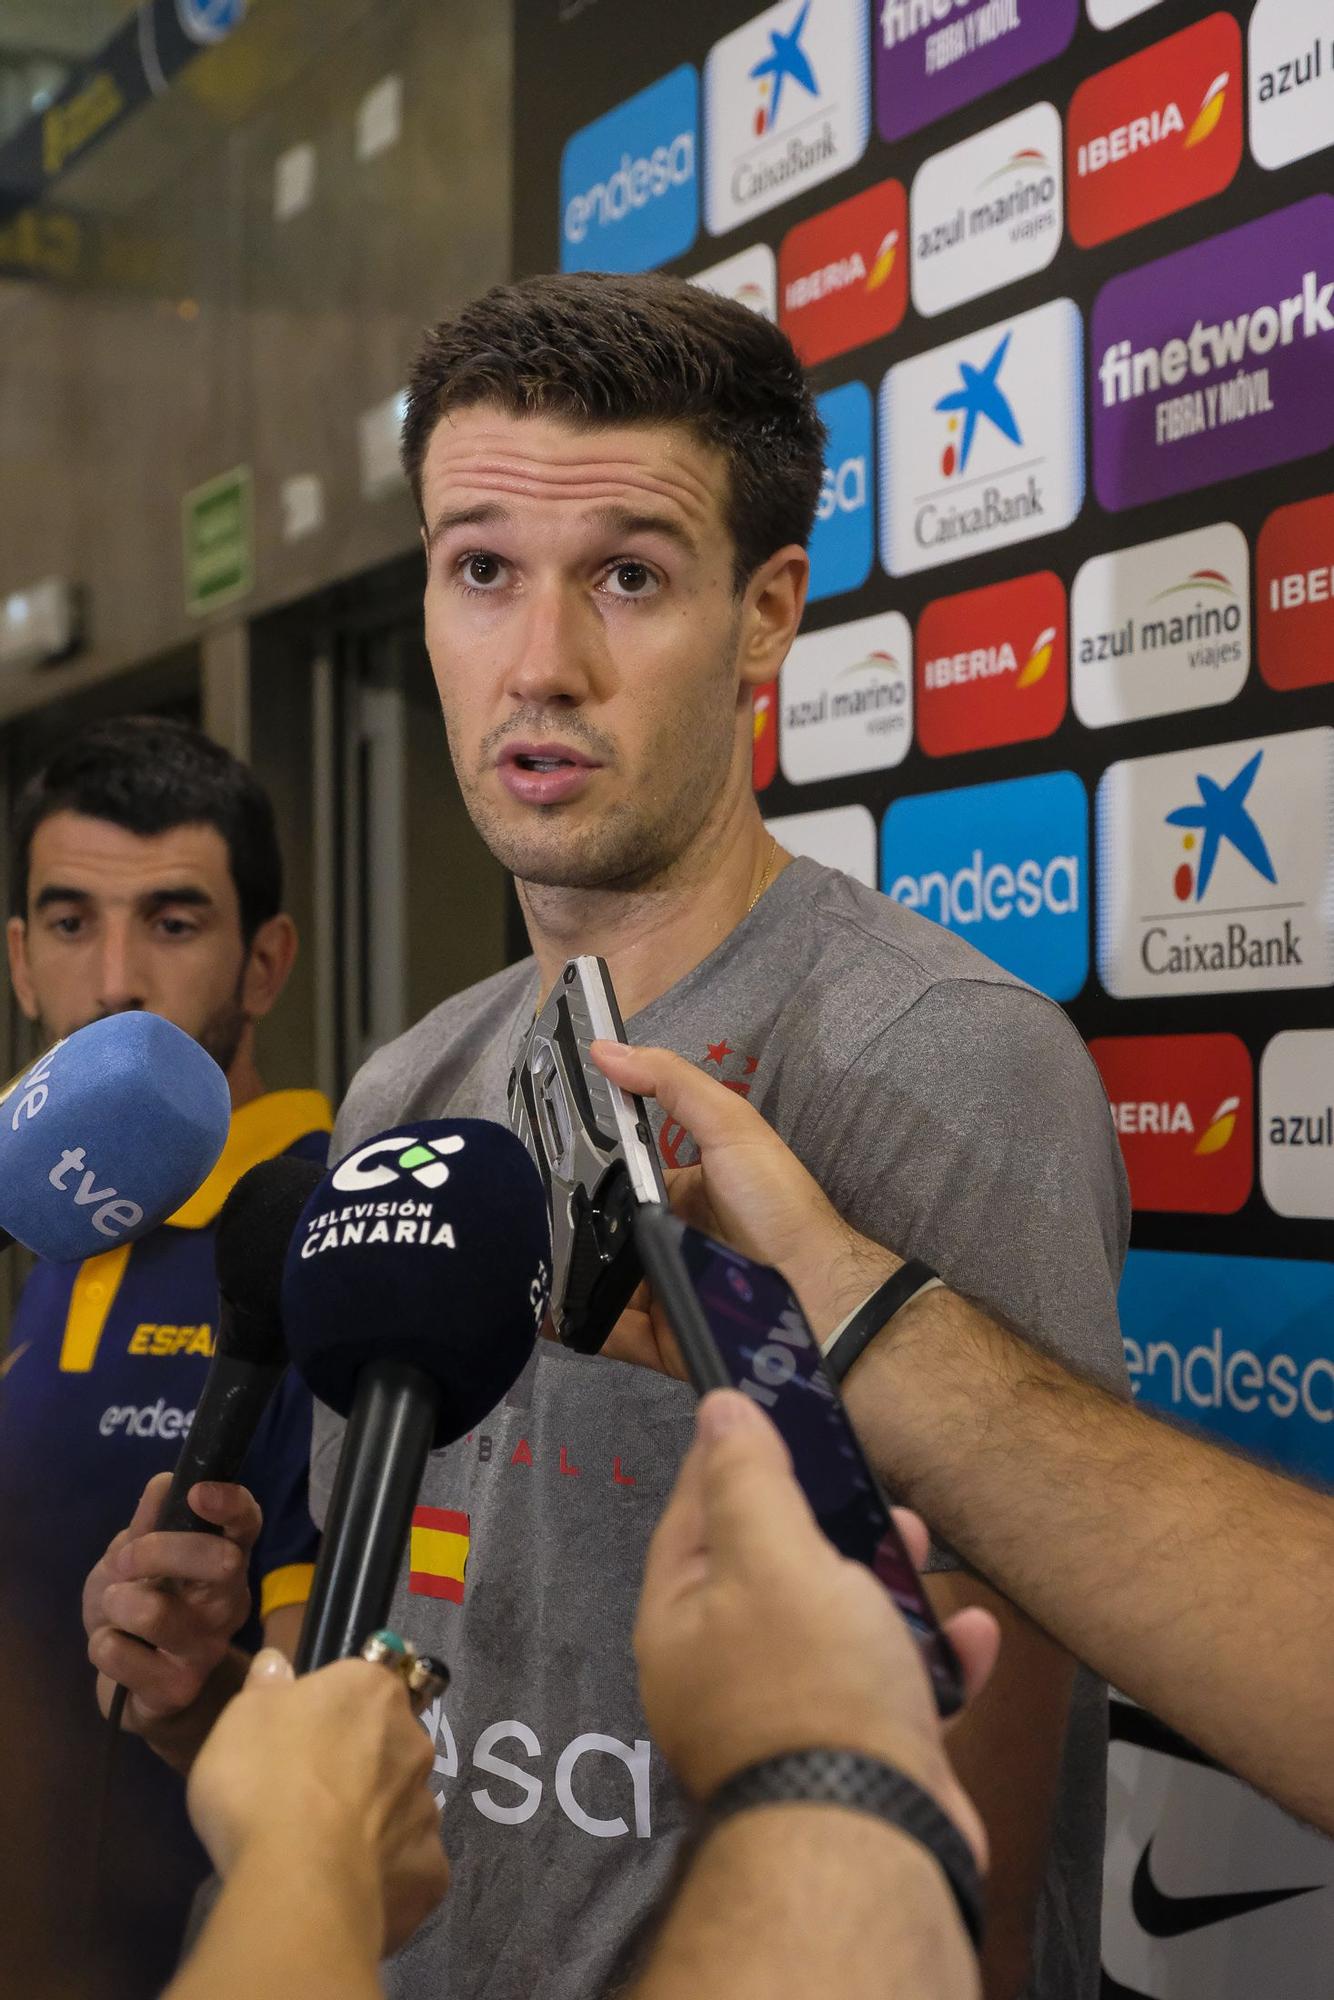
717 1051
752 1064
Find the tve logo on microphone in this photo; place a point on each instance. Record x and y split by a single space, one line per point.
843 539
1184 1108
1003 865
629 186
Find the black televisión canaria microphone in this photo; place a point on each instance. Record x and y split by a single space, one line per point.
416 1282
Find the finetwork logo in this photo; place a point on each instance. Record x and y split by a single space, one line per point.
1297 1123
750 277
1155 133
1183 1107
1216 868
1161 627
1294 564
1239 1345
988 211
1005 866
843 539
785 106
847 699
629 191
386 1160
843 276
991 666
1218 360
982 441
840 837
1292 80
934 55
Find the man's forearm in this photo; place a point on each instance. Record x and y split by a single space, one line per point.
1192 1579
290 1924
810 1899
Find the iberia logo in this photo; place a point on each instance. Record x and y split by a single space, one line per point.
1184 1111
1155 133
843 275
992 666
1294 563
1219 816
438 1553
764 747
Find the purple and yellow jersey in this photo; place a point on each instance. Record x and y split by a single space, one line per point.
104 1365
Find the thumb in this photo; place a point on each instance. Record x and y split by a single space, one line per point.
709 1111
269 1668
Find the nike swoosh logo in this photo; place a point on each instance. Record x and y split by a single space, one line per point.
1163 1916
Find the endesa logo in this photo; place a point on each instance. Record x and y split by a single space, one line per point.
843 539
1161 627
1297 1123
750 277
786 106
1292 80
840 837
1155 133
988 211
1239 1345
1006 866
843 276
1294 563
934 55
1216 868
764 744
1183 1107
991 666
982 441
1217 361
629 188
847 699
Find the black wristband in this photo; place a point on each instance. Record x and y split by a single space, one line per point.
855 1335
863 1784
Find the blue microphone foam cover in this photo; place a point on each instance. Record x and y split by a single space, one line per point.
107 1133
429 1245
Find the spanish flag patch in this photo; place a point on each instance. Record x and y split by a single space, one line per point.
438 1554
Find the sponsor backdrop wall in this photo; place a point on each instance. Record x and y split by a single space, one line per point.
1064 272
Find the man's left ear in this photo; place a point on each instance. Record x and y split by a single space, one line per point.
272 956
775 599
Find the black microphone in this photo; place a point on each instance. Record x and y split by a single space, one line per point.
250 1354
416 1283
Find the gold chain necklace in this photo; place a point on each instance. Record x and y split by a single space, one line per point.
764 879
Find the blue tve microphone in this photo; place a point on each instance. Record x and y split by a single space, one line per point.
416 1282
106 1134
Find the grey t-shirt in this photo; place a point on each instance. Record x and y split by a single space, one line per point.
946 1110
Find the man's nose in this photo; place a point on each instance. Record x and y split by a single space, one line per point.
555 658
120 978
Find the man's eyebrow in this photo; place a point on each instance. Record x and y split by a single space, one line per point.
624 521
186 893
56 892
484 515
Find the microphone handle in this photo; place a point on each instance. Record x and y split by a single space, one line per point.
236 1393
375 1489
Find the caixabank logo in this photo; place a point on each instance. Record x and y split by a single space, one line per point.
629 186
1294 584
1161 627
1005 866
750 277
1216 868
932 56
991 666
1155 133
982 441
1238 1345
843 276
988 211
1216 361
842 541
786 106
847 699
1297 1123
1184 1108
1291 80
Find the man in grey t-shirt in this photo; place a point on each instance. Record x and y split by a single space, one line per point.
617 479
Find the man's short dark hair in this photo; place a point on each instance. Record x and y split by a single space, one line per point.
603 350
149 774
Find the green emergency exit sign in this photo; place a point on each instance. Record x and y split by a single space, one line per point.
217 521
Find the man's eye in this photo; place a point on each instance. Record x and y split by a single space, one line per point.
632 579
67 926
481 572
176 927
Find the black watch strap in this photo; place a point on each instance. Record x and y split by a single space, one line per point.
863 1784
849 1342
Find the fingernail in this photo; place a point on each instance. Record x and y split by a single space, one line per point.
271 1665
724 1410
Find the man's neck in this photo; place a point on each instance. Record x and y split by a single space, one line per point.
654 935
243 1078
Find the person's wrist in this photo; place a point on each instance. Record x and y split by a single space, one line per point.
833 1270
322 1868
